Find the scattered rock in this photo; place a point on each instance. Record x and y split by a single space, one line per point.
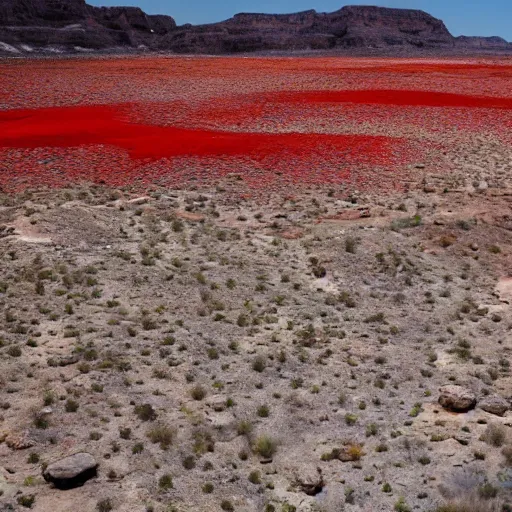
457 398
45 411
6 231
192 217
310 481
217 403
495 405
71 471
20 441
67 360
139 200
292 234
347 453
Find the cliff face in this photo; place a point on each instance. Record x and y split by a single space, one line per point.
490 43
41 12
348 27
375 26
74 25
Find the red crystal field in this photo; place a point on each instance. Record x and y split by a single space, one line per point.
276 123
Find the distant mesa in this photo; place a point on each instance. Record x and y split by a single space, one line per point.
63 26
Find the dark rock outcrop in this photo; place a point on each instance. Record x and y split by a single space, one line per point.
350 27
494 405
71 471
457 398
483 43
73 25
54 13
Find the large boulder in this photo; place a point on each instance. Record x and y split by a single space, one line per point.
457 398
495 405
71 471
309 480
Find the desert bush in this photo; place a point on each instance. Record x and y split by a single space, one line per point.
208 488
350 245
244 428
165 482
259 364
408 222
33 458
401 505
495 434
255 477
189 462
14 351
198 392
104 505
265 446
350 419
263 411
203 442
137 448
145 412
148 324
125 432
487 491
161 434
71 405
26 500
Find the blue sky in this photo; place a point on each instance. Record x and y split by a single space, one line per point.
468 17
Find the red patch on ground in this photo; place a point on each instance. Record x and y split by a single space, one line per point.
78 126
59 146
281 124
396 97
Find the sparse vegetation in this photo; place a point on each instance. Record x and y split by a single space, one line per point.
200 349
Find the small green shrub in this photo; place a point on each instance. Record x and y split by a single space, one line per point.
162 435
165 482
145 412
265 446
104 505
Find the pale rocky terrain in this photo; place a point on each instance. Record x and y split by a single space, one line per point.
287 354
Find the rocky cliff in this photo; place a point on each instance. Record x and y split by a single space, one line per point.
72 25
489 43
349 27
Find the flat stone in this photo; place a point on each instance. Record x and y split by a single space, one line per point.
192 217
71 471
457 398
495 405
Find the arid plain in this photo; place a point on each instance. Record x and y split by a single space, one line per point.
256 284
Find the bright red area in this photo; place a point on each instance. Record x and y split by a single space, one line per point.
108 125
396 97
277 123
